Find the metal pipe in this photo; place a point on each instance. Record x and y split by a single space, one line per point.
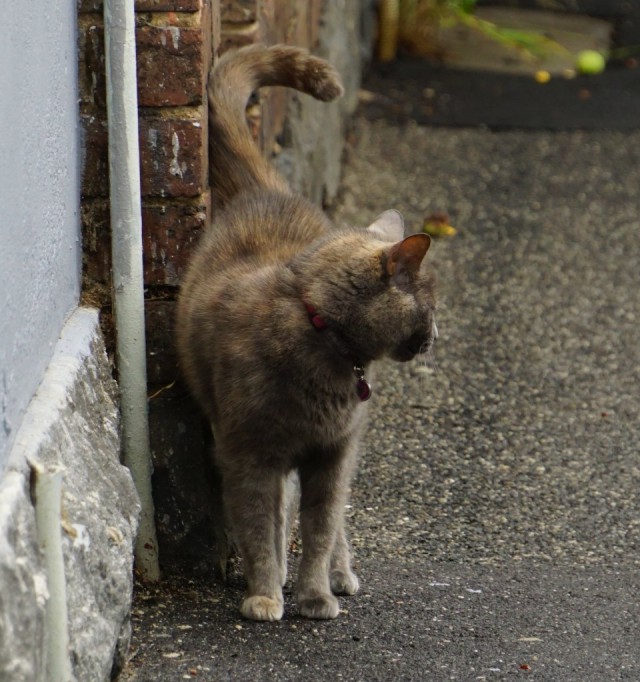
48 500
126 245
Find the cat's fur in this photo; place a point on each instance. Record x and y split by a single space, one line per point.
278 387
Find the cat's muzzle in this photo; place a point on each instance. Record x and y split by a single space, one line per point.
417 344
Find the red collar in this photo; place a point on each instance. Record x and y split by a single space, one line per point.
363 387
315 319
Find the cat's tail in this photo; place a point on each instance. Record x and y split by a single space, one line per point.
235 162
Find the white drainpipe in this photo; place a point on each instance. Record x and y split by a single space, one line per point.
126 246
48 495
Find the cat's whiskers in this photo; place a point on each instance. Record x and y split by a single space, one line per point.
426 361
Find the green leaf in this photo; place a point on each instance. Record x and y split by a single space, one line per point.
468 6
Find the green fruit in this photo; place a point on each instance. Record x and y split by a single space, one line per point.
590 62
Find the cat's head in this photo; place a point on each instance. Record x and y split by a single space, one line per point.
372 290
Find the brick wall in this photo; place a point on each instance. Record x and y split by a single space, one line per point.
176 43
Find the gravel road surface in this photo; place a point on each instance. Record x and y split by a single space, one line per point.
496 514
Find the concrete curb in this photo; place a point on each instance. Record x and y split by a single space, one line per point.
71 423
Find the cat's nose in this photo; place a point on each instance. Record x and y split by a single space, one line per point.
418 343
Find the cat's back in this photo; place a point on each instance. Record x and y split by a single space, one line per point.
240 271
239 296
263 227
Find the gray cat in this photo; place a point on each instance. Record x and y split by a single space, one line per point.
279 319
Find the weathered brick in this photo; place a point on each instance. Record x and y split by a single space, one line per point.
278 20
238 35
146 5
303 25
215 27
239 11
266 19
181 480
162 364
95 176
173 55
89 6
96 240
170 232
173 58
173 152
169 5
91 66
274 107
208 17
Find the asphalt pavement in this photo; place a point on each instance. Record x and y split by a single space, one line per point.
495 517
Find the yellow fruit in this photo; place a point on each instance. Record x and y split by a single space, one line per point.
436 228
590 62
542 76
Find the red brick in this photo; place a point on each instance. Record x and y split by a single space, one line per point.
173 152
170 232
173 62
173 59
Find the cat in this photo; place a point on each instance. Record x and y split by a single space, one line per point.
280 317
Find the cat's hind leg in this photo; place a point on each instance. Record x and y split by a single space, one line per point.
254 504
342 579
222 544
323 486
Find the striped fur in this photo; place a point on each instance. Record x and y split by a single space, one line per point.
235 162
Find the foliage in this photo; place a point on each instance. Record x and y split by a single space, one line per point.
419 20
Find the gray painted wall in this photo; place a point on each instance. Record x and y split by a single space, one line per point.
40 247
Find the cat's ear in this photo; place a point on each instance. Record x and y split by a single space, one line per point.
405 257
388 226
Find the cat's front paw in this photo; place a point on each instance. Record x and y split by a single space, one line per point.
344 582
262 608
322 607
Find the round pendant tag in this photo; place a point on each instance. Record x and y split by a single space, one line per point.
363 389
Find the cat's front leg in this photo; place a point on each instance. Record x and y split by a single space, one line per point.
254 502
324 484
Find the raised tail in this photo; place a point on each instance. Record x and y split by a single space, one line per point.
235 162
